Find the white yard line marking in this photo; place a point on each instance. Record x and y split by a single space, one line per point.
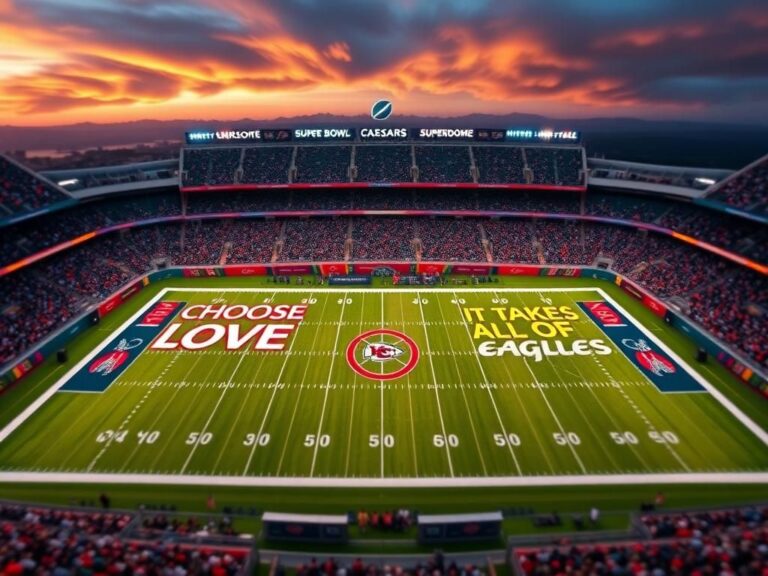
354 389
381 388
719 396
487 385
272 397
552 411
328 386
410 401
464 395
437 394
299 395
245 353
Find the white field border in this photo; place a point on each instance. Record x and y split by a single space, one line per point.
375 481
719 396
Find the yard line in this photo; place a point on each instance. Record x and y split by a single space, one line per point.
274 393
487 385
352 409
301 391
549 406
327 387
213 412
381 387
434 381
410 399
464 394
651 426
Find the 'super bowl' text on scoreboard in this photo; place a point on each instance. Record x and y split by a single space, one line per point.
253 135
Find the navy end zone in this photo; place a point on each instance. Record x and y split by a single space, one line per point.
122 350
654 364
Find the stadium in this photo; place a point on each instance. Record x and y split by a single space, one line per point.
382 346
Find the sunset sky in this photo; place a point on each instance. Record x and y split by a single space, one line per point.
65 61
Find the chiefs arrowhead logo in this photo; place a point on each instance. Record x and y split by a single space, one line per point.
382 354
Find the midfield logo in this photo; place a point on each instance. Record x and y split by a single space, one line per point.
395 353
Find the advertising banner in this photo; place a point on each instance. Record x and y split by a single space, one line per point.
471 269
381 268
122 350
568 272
292 269
331 268
202 272
246 270
664 372
349 280
431 268
516 270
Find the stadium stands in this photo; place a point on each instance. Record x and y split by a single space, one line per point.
725 298
383 163
210 166
381 238
499 164
21 191
748 190
443 164
726 542
314 239
54 541
450 240
266 165
322 164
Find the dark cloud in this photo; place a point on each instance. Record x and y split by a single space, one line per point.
601 53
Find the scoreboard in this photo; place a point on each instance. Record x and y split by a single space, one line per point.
253 135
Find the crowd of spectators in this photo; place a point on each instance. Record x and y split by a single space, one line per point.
451 240
23 239
748 190
314 239
435 566
322 164
703 523
29 546
383 163
443 164
541 162
21 191
511 240
252 240
728 300
381 238
728 542
569 166
266 165
210 166
499 164
160 525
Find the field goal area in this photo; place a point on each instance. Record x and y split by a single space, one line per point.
383 387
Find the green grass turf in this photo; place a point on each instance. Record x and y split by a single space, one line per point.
63 434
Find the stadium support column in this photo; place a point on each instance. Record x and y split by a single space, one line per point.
352 165
472 165
414 167
292 168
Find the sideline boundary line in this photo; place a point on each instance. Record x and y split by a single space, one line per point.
734 410
377 482
25 414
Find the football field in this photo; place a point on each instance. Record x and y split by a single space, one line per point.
382 387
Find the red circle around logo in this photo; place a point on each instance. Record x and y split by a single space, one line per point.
655 362
357 366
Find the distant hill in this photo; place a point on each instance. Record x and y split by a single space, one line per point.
664 142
